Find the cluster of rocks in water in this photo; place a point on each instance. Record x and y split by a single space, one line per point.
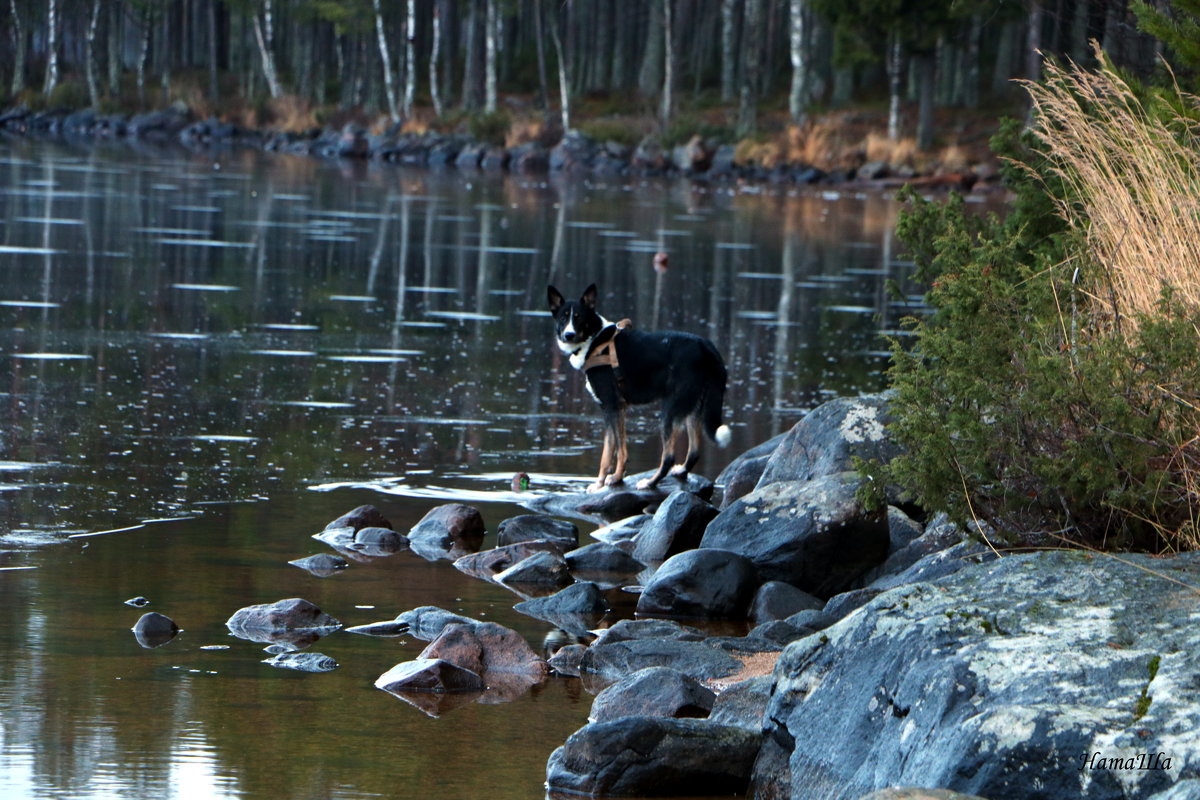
874 649
571 152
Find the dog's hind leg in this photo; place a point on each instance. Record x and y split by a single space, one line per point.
668 460
694 442
622 452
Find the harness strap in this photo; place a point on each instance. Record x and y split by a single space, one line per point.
604 354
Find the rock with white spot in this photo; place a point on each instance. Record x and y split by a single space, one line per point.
828 440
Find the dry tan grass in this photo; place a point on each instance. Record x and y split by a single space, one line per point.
896 152
1137 180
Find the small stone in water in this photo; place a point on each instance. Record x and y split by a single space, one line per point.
137 602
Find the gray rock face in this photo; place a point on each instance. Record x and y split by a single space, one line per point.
1041 673
653 692
489 563
617 660
827 440
601 557
540 569
448 531
707 583
653 756
366 516
814 534
676 526
485 647
776 600
744 472
303 662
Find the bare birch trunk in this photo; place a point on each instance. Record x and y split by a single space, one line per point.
564 86
389 86
143 57
266 43
543 84
51 47
410 57
89 55
489 103
752 50
664 111
895 70
18 77
728 49
797 98
434 89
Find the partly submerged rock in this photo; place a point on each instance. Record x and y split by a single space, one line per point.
429 675
365 516
321 565
448 531
676 526
303 662
576 609
487 564
534 527
294 621
427 622
154 630
654 756
620 501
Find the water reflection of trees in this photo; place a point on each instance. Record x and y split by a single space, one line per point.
756 272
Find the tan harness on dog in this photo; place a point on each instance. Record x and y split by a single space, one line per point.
605 354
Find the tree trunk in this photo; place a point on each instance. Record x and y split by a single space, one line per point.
895 71
1033 42
266 46
116 33
51 47
410 56
18 76
214 84
539 41
143 57
473 62
564 84
89 55
728 49
797 98
490 23
435 50
926 64
664 110
650 76
385 57
752 52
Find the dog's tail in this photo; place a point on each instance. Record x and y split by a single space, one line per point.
713 401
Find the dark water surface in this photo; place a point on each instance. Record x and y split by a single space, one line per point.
203 360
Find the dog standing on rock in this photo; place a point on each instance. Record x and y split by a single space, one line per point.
624 366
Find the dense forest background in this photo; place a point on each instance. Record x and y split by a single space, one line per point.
719 67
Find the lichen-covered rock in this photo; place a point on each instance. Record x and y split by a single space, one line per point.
815 535
619 659
1051 670
654 757
828 440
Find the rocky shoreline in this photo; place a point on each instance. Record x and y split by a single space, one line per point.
570 152
884 649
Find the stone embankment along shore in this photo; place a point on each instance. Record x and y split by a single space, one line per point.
572 153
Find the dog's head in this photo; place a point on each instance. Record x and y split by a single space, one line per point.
575 321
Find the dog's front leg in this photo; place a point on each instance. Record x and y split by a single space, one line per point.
605 457
622 451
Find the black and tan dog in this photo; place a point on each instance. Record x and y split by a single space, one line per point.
624 366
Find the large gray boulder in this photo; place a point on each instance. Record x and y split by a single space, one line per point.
1044 675
813 534
532 527
654 757
294 620
829 439
742 474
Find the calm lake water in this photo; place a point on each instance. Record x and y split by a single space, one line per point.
204 359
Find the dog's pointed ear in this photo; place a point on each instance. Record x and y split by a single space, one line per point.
589 297
556 299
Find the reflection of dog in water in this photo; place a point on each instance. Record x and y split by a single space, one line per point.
624 366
